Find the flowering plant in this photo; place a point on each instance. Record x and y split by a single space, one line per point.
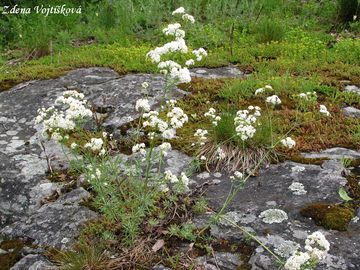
305 101
174 72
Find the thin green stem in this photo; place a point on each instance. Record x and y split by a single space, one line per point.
254 238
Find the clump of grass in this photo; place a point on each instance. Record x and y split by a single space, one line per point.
84 256
268 30
236 159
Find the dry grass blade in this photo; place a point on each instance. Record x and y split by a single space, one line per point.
236 159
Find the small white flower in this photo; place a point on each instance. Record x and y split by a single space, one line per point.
199 53
188 17
164 188
324 110
273 100
97 173
296 261
164 148
184 179
95 144
140 147
179 10
259 91
220 153
317 246
238 175
190 62
169 176
203 158
102 152
73 145
288 142
201 135
169 134
142 105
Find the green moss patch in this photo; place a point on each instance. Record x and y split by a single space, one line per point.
330 216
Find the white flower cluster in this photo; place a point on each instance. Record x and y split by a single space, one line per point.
175 72
262 89
237 175
273 100
142 105
201 135
244 122
176 118
182 181
220 153
212 115
273 216
324 110
164 148
288 142
308 95
57 121
188 17
177 45
174 30
185 16
297 260
139 148
94 174
190 62
179 10
200 53
316 247
96 145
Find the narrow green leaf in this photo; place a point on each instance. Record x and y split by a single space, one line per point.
343 194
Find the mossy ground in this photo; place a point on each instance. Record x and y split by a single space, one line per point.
13 253
330 216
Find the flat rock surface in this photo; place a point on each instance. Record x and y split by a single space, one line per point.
33 262
270 190
216 73
352 112
352 88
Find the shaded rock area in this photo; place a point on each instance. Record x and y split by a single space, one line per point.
25 211
270 190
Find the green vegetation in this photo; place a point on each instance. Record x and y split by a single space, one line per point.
274 38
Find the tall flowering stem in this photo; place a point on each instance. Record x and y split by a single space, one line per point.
175 73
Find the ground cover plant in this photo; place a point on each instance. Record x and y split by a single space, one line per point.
290 101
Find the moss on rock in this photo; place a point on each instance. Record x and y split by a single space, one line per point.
330 216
